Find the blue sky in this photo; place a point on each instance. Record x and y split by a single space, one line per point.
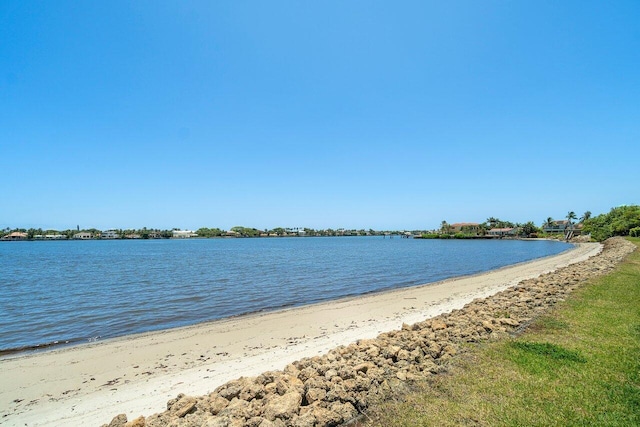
358 114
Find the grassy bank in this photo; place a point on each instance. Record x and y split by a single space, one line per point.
578 365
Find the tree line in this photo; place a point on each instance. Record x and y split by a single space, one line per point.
620 221
205 232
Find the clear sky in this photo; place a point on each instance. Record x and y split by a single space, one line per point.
355 114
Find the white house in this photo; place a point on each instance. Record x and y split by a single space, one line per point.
55 237
110 234
183 234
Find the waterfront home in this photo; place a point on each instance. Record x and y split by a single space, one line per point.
183 234
83 235
109 234
55 237
556 227
503 232
16 235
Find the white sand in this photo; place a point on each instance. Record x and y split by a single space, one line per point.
136 375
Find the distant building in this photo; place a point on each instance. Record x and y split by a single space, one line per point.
503 232
183 234
109 234
83 236
556 227
55 237
16 235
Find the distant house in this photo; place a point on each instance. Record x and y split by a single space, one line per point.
231 233
83 235
503 232
55 237
556 227
16 235
565 227
183 234
109 234
133 236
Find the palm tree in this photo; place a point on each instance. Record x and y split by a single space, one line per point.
570 216
492 222
548 223
585 216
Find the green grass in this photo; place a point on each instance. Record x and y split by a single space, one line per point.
579 365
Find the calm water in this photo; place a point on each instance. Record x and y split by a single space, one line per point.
79 291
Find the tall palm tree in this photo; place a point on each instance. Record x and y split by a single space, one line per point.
585 216
548 223
570 216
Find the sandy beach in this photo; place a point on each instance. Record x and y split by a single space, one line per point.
136 375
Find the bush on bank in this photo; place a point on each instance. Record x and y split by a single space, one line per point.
619 221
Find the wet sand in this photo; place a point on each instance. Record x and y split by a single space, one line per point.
136 375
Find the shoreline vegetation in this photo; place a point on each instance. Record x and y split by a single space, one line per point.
620 221
575 364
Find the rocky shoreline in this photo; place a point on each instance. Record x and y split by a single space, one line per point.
334 388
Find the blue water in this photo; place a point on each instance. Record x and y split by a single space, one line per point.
79 291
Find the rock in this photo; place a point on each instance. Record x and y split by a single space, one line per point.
231 389
237 408
217 404
315 394
138 422
509 322
252 391
217 422
438 325
118 421
345 410
285 406
364 367
183 406
304 420
325 417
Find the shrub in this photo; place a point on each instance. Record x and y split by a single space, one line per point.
634 232
618 222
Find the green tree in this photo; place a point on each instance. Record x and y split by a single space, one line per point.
618 222
445 228
529 229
